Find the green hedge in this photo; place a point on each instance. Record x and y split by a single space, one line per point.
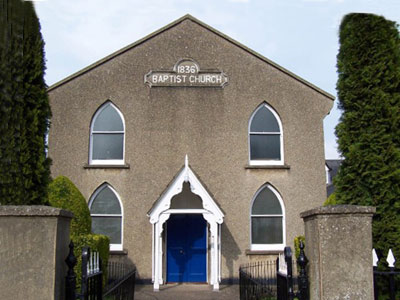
96 242
331 200
64 194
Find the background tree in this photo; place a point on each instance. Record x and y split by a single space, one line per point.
369 129
24 106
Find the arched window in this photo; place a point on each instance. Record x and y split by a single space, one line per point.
267 220
106 211
107 136
265 137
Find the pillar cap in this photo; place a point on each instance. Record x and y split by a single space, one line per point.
33 211
339 210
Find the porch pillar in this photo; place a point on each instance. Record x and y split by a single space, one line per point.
214 255
158 253
157 256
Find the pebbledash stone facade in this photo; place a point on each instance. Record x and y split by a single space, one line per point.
195 153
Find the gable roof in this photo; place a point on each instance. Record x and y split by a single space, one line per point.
333 165
185 174
169 26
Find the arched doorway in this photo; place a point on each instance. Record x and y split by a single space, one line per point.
196 221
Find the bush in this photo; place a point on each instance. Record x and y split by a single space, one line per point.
97 243
297 240
64 194
331 200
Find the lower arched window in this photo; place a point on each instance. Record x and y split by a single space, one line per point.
106 212
267 220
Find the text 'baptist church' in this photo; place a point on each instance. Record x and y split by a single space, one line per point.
186 73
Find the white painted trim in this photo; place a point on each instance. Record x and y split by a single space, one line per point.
267 247
113 247
277 247
185 175
161 211
266 162
106 161
328 175
152 252
219 252
186 211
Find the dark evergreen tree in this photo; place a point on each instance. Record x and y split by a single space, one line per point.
24 107
369 129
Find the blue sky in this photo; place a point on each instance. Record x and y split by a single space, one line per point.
300 35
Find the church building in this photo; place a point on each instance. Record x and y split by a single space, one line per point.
195 153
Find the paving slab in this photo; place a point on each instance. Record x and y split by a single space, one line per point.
186 292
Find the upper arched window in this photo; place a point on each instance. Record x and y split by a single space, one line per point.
107 136
267 220
265 137
106 212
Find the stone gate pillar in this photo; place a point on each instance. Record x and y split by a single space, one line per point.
33 247
338 246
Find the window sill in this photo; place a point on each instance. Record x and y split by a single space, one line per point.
119 252
282 167
124 166
263 252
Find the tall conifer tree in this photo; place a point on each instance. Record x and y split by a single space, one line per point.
24 106
369 129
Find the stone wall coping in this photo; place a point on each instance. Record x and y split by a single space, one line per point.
338 210
33 211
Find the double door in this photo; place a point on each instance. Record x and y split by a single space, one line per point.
186 248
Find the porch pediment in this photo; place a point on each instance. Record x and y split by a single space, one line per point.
186 174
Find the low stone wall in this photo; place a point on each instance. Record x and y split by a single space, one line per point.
339 249
33 246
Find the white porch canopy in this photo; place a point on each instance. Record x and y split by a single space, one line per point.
161 212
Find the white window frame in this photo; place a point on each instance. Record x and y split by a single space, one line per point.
266 162
113 247
268 247
106 161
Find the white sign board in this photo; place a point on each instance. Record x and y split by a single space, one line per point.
186 73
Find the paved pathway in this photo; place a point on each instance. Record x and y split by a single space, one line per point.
186 292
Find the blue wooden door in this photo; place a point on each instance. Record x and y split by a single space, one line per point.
186 248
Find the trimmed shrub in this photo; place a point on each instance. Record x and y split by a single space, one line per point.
24 107
297 240
64 194
369 130
96 242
